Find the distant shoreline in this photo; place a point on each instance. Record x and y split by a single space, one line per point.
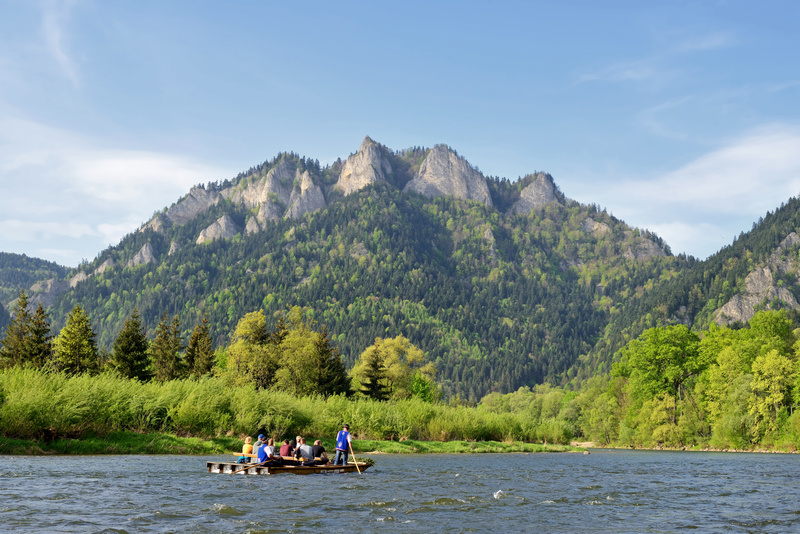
160 443
760 450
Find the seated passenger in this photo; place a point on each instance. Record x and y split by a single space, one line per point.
319 452
267 454
304 451
286 449
247 448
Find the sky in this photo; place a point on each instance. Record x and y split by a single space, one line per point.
676 116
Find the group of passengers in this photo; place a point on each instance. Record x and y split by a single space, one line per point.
296 451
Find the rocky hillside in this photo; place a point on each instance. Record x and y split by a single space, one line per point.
503 284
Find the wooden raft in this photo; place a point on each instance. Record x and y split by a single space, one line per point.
231 467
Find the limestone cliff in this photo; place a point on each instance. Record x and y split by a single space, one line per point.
222 228
365 167
306 197
196 202
760 286
45 292
538 193
444 173
145 255
597 229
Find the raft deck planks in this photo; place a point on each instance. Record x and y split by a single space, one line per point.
230 467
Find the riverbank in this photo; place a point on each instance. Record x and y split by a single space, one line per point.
161 443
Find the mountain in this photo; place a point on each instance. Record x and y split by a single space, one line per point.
502 283
18 272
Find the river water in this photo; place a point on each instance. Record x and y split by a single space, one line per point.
605 491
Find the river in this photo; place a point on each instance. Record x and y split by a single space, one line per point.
605 491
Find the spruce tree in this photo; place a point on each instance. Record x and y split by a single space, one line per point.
332 375
39 343
373 384
14 343
165 350
130 353
75 347
200 350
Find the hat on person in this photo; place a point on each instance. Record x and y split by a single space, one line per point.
346 426
261 436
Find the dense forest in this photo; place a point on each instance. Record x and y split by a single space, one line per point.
496 301
492 299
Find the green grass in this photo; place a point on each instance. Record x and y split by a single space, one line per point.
127 442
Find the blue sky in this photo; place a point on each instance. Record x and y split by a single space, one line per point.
680 117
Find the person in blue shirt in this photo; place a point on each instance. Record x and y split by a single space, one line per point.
343 441
267 454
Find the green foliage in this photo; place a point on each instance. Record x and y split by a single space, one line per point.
165 350
75 350
388 368
131 350
18 272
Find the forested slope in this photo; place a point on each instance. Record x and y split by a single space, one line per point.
497 300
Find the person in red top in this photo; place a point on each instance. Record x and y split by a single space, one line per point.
286 448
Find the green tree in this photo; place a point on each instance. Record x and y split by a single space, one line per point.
773 378
39 344
199 355
332 376
14 349
662 361
165 350
399 361
75 349
372 377
130 354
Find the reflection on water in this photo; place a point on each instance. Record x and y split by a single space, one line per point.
606 491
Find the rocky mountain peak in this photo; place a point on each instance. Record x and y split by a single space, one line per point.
445 173
365 167
541 191
306 197
222 228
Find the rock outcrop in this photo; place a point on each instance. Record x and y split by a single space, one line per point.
365 167
145 255
103 266
173 248
306 197
196 202
538 193
78 278
760 287
159 224
444 173
642 249
597 229
222 228
46 292
274 188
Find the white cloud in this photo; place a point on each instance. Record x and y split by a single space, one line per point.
55 15
699 207
63 190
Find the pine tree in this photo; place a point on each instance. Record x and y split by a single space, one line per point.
39 343
165 350
332 375
75 347
373 384
200 350
130 352
13 350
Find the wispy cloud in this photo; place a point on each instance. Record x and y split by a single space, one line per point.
64 190
700 206
55 15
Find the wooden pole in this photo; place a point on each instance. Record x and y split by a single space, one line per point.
355 461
